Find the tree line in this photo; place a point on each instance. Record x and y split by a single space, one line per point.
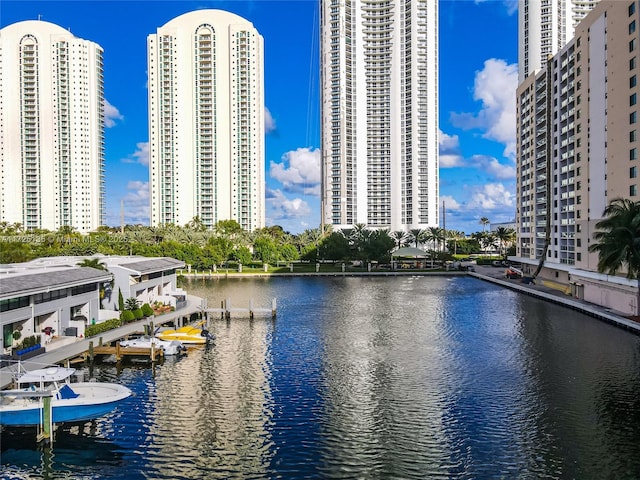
203 248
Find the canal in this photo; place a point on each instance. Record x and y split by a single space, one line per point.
359 377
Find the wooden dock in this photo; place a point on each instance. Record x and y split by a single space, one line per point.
154 353
226 310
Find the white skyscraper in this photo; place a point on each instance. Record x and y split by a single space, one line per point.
379 64
544 27
206 120
51 128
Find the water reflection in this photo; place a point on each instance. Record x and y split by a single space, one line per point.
407 377
76 452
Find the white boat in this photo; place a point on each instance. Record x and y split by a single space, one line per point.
170 347
70 402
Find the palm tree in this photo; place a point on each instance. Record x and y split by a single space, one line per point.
505 237
455 235
417 235
401 238
105 287
435 235
484 221
618 238
93 263
68 232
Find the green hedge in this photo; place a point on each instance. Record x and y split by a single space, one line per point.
93 330
127 316
147 311
137 313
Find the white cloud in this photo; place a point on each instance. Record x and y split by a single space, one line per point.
510 5
449 151
111 114
466 205
495 86
492 167
299 171
491 196
283 208
450 157
449 202
269 121
136 203
141 155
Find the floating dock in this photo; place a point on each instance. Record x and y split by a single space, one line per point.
226 310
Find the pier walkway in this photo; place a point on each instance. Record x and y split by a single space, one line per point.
539 290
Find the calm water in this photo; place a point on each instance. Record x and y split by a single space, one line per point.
368 378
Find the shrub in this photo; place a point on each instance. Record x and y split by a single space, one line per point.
131 303
120 301
147 311
137 313
127 316
17 335
93 330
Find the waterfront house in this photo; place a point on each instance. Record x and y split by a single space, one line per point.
55 293
43 301
147 279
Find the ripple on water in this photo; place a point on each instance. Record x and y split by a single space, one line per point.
406 378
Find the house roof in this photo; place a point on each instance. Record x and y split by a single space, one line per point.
151 265
29 281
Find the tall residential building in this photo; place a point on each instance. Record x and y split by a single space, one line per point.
379 67
206 120
51 128
577 150
544 27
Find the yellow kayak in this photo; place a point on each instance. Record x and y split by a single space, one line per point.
188 335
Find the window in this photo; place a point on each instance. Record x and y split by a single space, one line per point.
633 81
632 63
633 99
633 190
633 135
633 172
633 117
632 27
633 154
632 8
632 44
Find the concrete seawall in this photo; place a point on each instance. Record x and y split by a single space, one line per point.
557 297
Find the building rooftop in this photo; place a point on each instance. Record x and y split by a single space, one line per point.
150 265
27 281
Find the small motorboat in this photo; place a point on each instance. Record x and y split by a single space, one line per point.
70 402
188 335
170 347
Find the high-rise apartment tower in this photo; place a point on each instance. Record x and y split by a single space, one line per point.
206 120
51 128
379 68
578 149
544 27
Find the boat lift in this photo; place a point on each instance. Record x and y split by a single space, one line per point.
45 429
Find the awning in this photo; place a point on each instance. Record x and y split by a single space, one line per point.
409 252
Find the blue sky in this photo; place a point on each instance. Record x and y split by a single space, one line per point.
478 76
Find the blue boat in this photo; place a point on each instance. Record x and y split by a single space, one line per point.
70 402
